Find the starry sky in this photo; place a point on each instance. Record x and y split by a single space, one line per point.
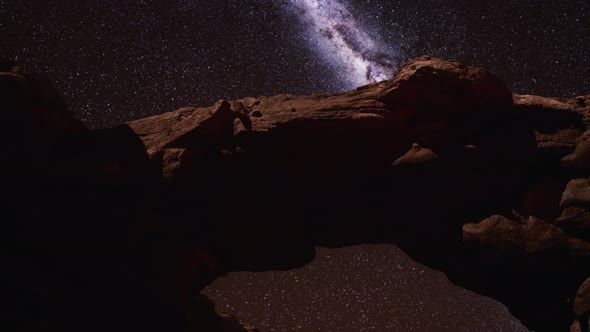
115 61
359 288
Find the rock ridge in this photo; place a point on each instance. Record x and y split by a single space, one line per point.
443 160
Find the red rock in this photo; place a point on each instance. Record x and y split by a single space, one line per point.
582 308
533 236
577 193
199 126
429 85
256 183
416 156
576 222
558 122
580 158
582 302
35 118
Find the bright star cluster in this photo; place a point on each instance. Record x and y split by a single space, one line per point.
338 37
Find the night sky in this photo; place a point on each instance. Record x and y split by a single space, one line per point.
116 60
360 288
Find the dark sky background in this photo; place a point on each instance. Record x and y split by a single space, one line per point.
120 60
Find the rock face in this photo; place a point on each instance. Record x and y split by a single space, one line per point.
35 117
582 308
320 151
160 207
582 303
533 236
547 228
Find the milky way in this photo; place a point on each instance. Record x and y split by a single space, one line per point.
334 32
116 61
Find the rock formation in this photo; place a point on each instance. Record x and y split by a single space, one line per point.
128 224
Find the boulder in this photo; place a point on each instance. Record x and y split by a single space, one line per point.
416 156
434 89
579 159
582 308
576 222
35 117
582 301
577 193
532 236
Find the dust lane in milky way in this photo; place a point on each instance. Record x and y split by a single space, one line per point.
334 32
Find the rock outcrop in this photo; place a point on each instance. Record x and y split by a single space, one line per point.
531 236
35 116
547 227
582 305
146 214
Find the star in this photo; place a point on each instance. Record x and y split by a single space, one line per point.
333 31
116 61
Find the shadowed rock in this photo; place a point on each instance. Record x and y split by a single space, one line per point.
160 207
532 236
575 221
576 193
582 306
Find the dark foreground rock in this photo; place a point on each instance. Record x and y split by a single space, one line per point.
128 224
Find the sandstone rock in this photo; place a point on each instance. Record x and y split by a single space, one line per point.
576 222
416 156
372 108
582 308
580 158
175 140
532 237
35 117
257 183
558 143
557 123
557 109
253 159
243 105
577 193
331 140
582 106
582 302
199 127
435 89
172 160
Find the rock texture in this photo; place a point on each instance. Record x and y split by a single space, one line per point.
582 308
35 116
146 214
532 236
547 227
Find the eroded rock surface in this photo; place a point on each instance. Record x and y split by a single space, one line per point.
150 212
